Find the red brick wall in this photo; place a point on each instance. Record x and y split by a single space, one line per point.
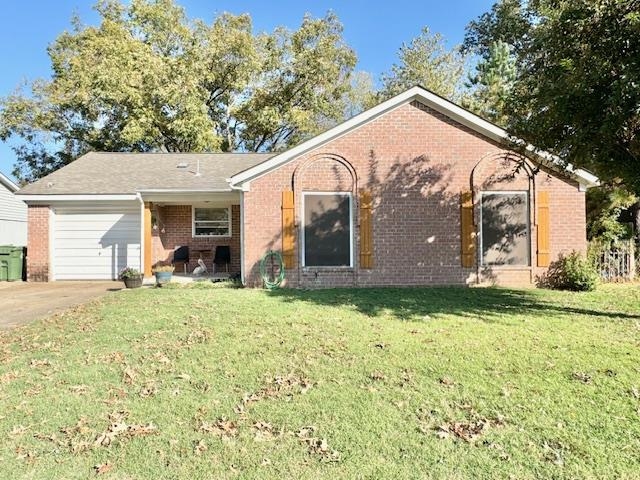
38 243
415 162
177 223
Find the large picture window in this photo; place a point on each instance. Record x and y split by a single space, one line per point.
505 237
211 222
327 230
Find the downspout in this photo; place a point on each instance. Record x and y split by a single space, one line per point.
142 245
240 189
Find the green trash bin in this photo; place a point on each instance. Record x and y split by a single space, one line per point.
11 260
5 256
16 260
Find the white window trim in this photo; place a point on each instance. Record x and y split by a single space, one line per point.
193 222
351 232
481 233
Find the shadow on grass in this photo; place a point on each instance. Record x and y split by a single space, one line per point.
412 303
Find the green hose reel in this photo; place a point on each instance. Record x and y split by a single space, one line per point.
272 259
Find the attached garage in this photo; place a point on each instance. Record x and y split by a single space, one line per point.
95 243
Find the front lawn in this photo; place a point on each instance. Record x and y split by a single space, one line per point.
387 383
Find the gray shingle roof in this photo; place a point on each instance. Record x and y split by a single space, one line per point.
128 173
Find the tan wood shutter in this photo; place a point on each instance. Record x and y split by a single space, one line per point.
366 231
467 234
544 251
288 230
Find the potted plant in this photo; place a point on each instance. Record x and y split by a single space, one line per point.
131 277
163 273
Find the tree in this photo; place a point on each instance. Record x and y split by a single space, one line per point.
492 84
147 78
604 206
425 61
577 91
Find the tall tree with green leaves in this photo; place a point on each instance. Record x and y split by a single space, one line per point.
577 89
148 78
427 62
492 83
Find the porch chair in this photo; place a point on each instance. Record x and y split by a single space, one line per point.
222 256
181 255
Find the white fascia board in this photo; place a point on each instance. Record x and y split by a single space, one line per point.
74 198
4 180
183 191
426 97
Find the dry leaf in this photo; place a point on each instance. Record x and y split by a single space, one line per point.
200 447
103 468
128 375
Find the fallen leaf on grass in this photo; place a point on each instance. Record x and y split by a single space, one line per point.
79 389
317 446
467 431
264 432
37 363
80 428
447 381
18 430
24 454
148 389
221 427
200 447
276 387
124 431
582 377
103 468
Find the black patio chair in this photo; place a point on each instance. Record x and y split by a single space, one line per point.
222 256
181 255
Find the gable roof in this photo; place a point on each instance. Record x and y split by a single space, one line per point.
430 99
102 173
4 180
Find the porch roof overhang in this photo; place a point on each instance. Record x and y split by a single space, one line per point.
181 197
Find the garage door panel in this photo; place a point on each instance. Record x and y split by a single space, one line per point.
132 251
95 245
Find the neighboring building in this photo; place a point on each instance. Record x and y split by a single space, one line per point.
415 191
13 215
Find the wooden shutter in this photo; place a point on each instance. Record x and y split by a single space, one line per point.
467 234
288 230
544 252
366 230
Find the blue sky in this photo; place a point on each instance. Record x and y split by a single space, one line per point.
374 29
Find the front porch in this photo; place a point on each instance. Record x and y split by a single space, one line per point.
187 229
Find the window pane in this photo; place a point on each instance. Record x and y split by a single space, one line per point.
327 231
211 230
212 214
505 229
211 221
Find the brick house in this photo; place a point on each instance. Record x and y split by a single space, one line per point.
415 191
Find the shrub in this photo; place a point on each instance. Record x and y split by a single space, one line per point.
570 272
128 272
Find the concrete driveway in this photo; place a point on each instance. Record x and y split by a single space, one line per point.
21 302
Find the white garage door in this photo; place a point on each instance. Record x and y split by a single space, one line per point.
95 244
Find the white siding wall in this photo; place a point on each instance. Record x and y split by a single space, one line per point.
13 219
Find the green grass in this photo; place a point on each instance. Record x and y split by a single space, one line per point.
394 381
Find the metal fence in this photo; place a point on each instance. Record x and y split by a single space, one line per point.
614 262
